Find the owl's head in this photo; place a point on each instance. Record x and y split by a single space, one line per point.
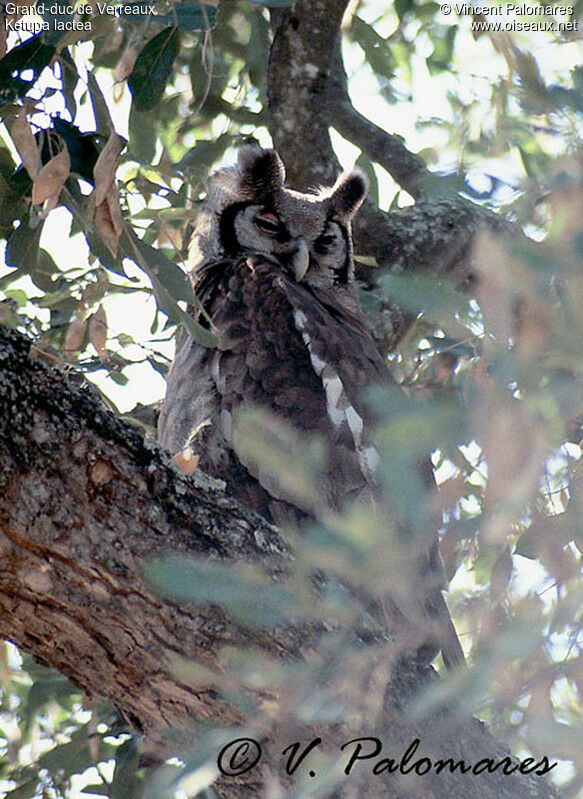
248 210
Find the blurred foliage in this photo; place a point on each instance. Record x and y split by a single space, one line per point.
493 381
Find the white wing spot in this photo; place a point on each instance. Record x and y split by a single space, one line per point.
299 319
337 405
334 388
356 424
215 369
317 363
369 458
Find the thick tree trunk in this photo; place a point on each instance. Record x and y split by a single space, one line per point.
85 500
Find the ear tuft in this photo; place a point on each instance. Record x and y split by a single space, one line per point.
262 171
348 194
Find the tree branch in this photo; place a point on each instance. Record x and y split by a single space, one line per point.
84 502
300 61
307 92
386 149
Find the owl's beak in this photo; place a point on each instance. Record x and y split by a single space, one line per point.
300 259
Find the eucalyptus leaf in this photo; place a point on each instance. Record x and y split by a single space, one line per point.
190 16
170 284
258 603
34 54
153 68
423 293
142 130
377 50
23 245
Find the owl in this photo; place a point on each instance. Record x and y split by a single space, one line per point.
273 271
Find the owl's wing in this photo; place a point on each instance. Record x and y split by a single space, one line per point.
190 393
345 358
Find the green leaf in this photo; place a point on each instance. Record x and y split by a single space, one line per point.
377 50
199 159
159 366
534 159
22 247
33 54
170 285
440 58
100 789
403 7
153 68
142 130
103 121
44 276
125 780
25 791
258 49
250 598
75 203
189 16
53 13
171 276
73 757
49 687
119 378
69 79
420 293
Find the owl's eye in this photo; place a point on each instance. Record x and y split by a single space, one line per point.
268 223
325 242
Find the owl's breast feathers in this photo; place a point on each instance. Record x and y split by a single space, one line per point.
302 354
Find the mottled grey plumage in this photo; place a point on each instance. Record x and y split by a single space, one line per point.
273 269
